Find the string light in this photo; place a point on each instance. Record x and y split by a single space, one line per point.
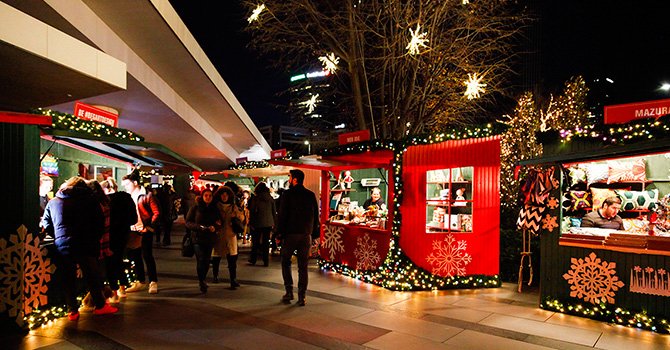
64 121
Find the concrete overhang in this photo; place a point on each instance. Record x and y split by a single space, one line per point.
174 94
48 66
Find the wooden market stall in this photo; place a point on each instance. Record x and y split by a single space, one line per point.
440 226
618 276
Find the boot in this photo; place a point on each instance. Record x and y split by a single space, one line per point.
232 269
215 269
286 298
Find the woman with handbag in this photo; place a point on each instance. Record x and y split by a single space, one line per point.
226 245
203 220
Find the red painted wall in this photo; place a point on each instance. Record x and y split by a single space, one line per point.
483 243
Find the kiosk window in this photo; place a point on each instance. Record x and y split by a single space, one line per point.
449 200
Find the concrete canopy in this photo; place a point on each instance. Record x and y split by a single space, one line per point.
174 96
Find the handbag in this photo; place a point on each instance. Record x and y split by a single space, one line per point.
134 240
187 249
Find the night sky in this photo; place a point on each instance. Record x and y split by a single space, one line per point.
626 41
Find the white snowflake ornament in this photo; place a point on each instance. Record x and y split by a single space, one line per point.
474 86
417 40
330 62
256 12
310 103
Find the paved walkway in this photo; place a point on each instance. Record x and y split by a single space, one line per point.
341 313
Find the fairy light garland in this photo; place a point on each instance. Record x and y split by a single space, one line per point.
43 318
609 313
639 130
398 272
65 121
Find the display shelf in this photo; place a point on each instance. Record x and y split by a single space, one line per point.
343 190
447 181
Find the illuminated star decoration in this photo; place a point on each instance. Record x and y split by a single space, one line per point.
310 103
474 86
256 13
330 62
418 39
465 2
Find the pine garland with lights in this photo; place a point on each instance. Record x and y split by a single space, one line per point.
65 121
622 134
42 318
398 272
609 313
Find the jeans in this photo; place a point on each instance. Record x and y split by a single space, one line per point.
301 244
260 244
145 252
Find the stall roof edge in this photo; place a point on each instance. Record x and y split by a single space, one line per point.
614 151
128 151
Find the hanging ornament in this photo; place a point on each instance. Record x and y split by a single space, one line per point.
310 104
474 86
257 12
417 39
330 62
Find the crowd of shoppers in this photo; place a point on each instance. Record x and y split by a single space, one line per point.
95 226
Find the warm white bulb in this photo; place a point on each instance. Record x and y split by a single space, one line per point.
665 87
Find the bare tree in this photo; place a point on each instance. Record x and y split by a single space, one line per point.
402 64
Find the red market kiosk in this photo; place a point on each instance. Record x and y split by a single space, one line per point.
442 227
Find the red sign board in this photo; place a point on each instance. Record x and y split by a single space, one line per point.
278 153
88 112
239 161
619 114
353 137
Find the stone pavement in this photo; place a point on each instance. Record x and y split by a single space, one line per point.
341 313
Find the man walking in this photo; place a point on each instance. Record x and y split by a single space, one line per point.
298 223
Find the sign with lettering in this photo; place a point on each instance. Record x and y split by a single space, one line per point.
353 137
88 112
239 161
278 153
619 114
49 165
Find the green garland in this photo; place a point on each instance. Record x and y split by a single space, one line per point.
608 313
65 121
620 134
398 272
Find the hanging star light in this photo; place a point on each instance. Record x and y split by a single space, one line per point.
418 39
257 12
330 62
474 86
310 104
465 2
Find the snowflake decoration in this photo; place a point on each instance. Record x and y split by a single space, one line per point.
552 203
24 274
257 12
549 223
366 253
310 103
333 240
330 62
474 87
593 280
417 40
449 259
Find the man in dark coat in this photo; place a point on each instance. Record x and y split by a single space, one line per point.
298 223
75 219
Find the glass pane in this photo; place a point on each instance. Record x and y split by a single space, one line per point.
449 200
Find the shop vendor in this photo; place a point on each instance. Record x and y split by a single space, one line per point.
375 199
605 217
